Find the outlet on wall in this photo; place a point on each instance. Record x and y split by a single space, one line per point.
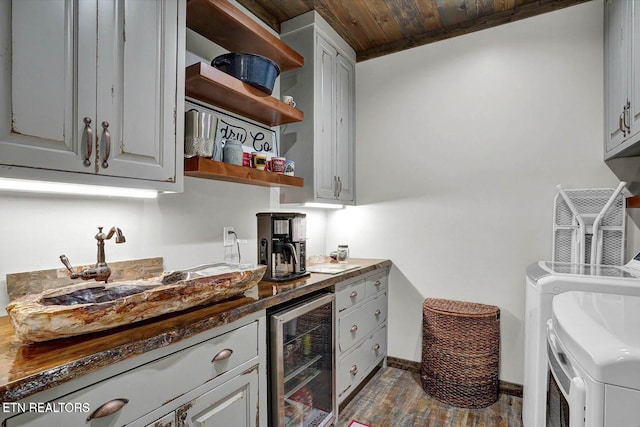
228 236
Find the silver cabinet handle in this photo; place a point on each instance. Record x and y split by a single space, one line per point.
88 141
354 328
353 370
377 312
339 187
222 355
107 144
108 408
624 118
378 283
621 123
376 347
353 294
627 115
335 186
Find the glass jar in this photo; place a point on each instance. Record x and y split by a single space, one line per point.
232 152
343 254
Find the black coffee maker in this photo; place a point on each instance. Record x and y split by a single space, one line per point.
282 245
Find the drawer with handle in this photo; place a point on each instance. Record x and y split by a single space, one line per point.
355 325
357 364
125 397
350 295
376 283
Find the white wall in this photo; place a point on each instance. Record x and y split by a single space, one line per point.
460 145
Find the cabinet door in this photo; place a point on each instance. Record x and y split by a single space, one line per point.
110 63
634 81
52 84
137 61
168 420
234 403
345 125
324 148
616 66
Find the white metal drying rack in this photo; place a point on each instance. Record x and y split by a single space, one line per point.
584 224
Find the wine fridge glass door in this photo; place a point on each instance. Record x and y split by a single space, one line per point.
303 364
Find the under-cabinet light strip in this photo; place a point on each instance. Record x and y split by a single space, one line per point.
322 205
74 189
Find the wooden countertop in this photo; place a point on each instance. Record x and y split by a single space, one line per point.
26 369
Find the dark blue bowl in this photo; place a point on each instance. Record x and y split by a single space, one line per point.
255 70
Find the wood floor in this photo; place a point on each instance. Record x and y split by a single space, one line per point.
395 398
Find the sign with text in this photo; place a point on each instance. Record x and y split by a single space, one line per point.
252 136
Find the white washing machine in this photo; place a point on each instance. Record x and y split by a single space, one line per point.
594 359
544 280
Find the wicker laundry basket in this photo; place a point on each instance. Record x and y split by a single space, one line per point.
461 352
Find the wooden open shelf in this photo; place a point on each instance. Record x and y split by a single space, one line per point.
224 24
210 169
633 202
210 85
227 26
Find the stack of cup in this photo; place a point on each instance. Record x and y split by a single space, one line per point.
199 134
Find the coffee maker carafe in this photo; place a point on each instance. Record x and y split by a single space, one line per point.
282 245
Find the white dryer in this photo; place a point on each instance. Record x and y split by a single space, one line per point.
545 280
594 358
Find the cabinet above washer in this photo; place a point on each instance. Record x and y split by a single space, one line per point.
622 79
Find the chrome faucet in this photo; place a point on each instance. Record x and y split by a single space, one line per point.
101 271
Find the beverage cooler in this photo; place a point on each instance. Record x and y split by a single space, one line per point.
302 361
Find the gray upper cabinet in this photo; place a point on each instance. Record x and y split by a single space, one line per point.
96 94
345 129
622 78
323 145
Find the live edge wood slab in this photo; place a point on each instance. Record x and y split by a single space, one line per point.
88 307
26 369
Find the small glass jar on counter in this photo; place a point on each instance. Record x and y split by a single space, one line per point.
343 254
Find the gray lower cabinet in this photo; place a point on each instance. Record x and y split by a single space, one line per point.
361 342
213 377
233 403
217 377
168 420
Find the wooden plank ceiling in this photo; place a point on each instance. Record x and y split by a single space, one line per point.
379 27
